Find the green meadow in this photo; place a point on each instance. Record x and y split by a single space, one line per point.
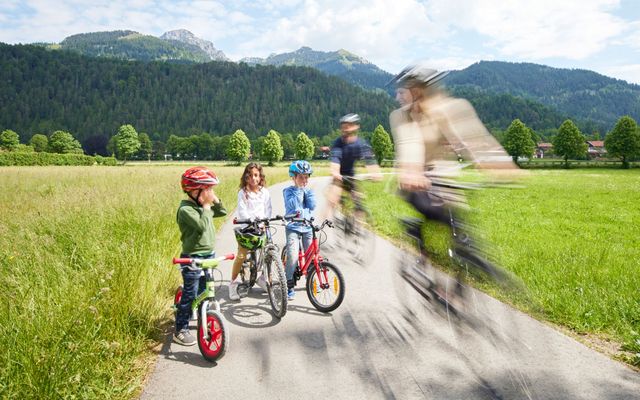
573 238
86 275
87 279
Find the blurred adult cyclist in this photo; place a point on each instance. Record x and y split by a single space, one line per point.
345 151
431 130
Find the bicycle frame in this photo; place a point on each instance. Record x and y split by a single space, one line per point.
209 293
312 254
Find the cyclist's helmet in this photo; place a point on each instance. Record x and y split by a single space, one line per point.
249 238
418 75
198 178
350 119
300 167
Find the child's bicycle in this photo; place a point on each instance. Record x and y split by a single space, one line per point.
325 283
466 254
213 337
354 221
257 236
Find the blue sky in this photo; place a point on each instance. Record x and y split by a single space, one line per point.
600 35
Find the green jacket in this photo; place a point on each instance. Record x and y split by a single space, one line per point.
197 232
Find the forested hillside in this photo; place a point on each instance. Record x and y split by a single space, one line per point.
42 91
583 95
341 63
130 45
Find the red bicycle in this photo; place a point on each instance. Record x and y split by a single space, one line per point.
325 283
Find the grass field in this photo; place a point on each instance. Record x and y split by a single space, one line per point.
86 274
88 282
572 236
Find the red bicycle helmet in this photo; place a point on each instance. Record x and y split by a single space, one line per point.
198 178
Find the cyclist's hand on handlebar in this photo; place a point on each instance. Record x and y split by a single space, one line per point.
413 181
377 177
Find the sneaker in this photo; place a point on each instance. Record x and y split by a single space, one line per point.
262 282
291 293
184 338
233 291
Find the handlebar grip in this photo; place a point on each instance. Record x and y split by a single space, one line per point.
292 215
178 260
242 221
229 256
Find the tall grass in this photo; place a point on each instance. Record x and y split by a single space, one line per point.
86 276
572 236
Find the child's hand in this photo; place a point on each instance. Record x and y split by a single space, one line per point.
207 197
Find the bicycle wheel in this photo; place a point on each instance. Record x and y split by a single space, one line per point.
176 298
276 284
216 345
325 292
363 238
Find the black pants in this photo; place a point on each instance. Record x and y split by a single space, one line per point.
432 207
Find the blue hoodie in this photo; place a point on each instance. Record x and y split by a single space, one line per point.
299 199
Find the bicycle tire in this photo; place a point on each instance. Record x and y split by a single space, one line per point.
176 299
363 239
276 284
334 294
214 348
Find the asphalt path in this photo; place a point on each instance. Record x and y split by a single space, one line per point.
383 342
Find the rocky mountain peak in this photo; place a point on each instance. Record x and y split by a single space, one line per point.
185 36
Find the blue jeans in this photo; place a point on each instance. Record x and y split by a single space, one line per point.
193 283
292 249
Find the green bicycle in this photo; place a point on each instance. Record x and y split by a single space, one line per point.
213 337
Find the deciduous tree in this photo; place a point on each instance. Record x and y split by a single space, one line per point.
569 142
272 150
304 147
9 140
381 144
624 140
126 141
518 140
239 146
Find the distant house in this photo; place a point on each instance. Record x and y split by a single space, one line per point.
596 148
542 148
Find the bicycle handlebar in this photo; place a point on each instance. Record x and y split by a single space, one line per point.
198 261
264 220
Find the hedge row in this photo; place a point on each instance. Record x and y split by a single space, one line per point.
18 158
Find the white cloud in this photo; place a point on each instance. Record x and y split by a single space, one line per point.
573 29
630 73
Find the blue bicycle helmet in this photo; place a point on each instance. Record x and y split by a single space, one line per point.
300 167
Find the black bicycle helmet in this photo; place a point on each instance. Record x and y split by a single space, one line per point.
350 119
417 75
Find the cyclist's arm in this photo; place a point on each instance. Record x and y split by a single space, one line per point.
197 220
267 203
218 209
292 199
410 151
241 211
336 160
309 200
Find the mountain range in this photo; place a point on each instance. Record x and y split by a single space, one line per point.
539 95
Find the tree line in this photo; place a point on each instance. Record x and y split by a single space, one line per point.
43 91
622 142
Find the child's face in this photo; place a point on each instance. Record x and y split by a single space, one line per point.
301 180
253 178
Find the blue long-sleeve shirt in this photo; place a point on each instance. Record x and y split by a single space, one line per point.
302 200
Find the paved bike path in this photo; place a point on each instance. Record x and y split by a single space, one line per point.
374 347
